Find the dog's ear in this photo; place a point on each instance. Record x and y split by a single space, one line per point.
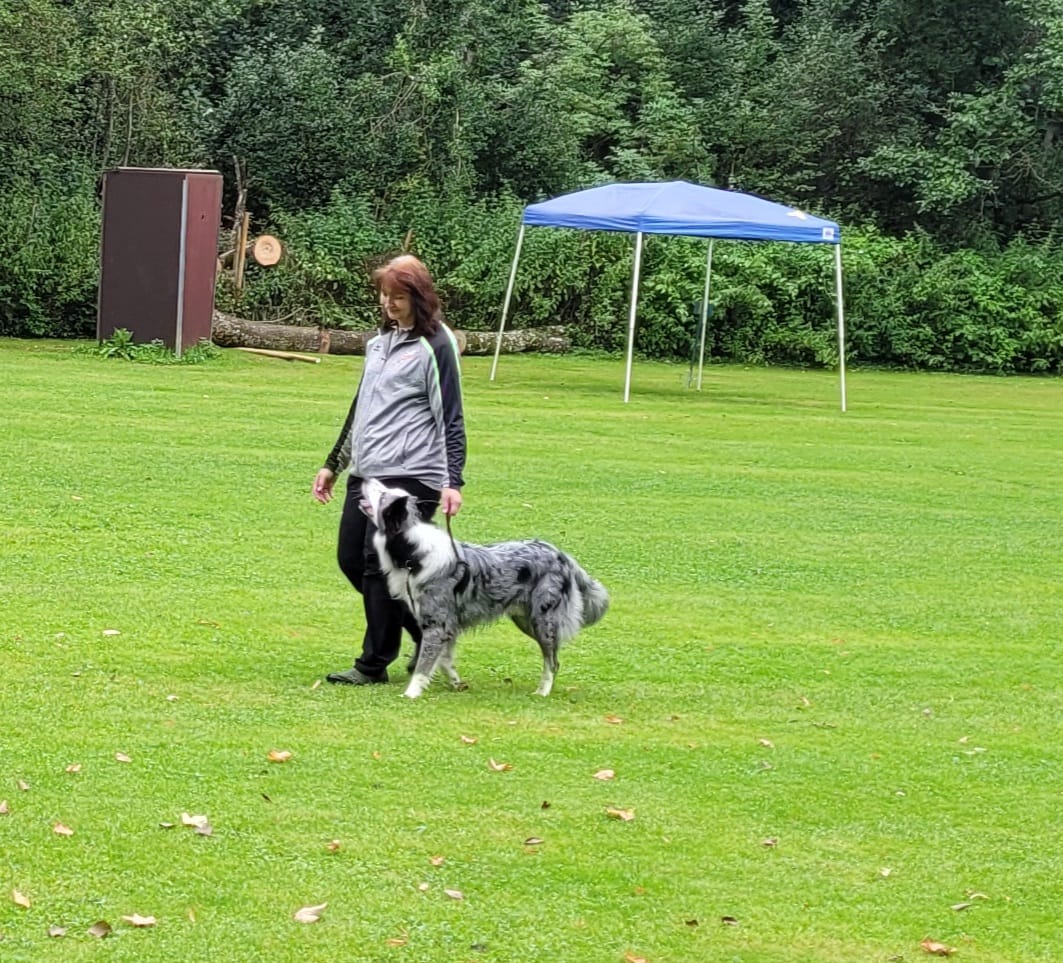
394 511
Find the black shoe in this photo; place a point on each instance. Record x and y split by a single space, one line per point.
353 676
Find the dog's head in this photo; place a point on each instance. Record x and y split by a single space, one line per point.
389 509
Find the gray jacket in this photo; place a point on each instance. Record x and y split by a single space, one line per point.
406 419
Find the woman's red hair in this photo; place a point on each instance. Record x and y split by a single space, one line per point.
408 274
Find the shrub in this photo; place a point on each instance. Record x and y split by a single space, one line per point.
49 258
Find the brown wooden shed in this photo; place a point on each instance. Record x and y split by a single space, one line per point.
158 254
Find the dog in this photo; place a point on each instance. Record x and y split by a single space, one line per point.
451 586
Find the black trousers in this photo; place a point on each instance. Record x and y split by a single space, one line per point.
385 617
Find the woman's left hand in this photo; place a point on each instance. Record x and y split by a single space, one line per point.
450 501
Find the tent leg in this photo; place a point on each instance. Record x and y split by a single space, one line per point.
841 318
631 316
505 304
705 311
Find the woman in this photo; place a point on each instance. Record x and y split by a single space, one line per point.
405 427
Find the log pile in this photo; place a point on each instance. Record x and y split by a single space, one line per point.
228 331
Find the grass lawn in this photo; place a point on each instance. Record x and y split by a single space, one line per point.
829 685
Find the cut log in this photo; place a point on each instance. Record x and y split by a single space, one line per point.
266 250
548 340
229 331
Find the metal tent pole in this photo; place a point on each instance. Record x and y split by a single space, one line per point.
631 317
505 304
841 317
705 311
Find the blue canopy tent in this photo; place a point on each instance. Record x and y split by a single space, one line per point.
678 207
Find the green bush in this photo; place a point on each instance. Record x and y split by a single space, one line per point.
120 345
909 302
918 306
49 258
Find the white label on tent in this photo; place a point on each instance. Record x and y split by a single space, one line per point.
828 234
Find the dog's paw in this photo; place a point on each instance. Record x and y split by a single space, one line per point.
417 685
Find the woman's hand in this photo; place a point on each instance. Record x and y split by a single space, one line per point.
450 501
323 482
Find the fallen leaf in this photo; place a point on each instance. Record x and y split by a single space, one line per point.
437 860
171 698
57 931
197 821
625 815
333 846
74 767
23 785
959 907
771 842
630 957
469 740
60 830
122 757
3 807
396 941
728 921
309 914
279 755
423 887
377 755
885 871
100 929
316 685
167 825
111 632
974 894
766 743
498 766
205 830
533 841
20 899
613 720
545 804
692 923
137 920
935 948
191 914
454 893
605 774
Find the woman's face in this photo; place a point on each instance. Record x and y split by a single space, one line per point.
397 306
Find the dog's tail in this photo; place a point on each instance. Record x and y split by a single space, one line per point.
595 597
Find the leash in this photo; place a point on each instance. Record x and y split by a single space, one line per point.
463 566
453 544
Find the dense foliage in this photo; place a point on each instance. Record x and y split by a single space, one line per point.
931 129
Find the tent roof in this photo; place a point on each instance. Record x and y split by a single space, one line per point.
678 207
